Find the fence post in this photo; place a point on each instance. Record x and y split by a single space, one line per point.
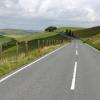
38 44
26 46
52 42
42 43
0 49
17 51
47 42
62 41
55 42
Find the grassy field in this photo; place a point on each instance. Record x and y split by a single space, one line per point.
29 47
10 64
32 39
4 39
85 33
29 37
90 36
14 56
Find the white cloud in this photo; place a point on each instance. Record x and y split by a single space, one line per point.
71 10
58 10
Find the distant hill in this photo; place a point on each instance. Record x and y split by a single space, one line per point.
16 31
90 36
88 32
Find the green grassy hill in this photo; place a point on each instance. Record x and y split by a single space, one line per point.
16 31
90 36
86 33
4 39
38 45
31 38
63 29
22 35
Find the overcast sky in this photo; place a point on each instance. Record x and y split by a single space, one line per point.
38 14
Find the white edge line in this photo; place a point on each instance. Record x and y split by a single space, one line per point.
5 78
74 77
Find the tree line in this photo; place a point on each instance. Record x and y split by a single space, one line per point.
69 32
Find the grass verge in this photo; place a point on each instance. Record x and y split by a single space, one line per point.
11 63
90 36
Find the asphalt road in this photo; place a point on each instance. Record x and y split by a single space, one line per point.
72 73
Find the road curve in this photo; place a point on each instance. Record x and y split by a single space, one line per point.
72 73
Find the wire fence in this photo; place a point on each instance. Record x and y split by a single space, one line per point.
21 50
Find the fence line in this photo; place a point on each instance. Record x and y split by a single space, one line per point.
38 44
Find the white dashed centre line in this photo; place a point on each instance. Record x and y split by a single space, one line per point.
76 52
74 73
74 76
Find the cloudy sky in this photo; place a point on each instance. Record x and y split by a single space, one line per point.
38 14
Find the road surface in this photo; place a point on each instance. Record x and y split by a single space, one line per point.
71 73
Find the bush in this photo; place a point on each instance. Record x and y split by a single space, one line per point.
50 29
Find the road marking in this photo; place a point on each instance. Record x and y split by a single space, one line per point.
76 52
10 75
74 76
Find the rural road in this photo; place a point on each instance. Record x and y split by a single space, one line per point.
71 73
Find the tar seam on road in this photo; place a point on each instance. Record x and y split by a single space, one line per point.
5 78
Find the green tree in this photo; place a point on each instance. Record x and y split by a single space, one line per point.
50 29
70 32
66 32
